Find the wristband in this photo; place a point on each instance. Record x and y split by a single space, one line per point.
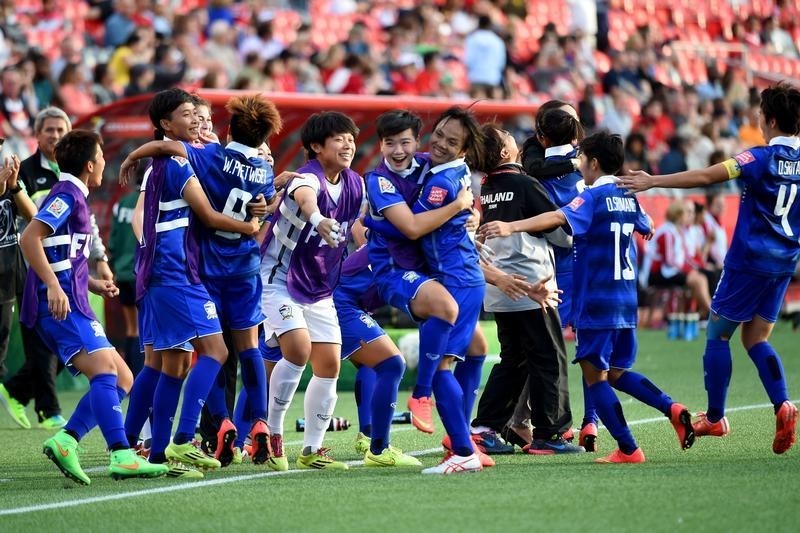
316 218
17 189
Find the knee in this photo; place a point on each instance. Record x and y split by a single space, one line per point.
394 366
614 374
124 378
479 345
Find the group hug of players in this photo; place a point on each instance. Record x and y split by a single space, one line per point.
226 244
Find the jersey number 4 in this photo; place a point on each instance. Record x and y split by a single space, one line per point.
236 208
620 231
783 205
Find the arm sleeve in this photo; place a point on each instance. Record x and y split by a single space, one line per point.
201 158
381 192
55 212
307 180
642 223
384 227
438 191
579 213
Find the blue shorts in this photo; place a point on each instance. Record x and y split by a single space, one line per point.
68 337
469 300
178 314
398 288
238 301
741 296
146 330
356 326
564 282
269 353
606 348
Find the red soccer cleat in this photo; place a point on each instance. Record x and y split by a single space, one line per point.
421 413
704 428
225 439
785 425
588 437
618 457
260 450
681 420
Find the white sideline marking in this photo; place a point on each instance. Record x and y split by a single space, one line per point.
247 477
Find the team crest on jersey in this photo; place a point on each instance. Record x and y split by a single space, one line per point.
211 310
285 311
98 329
385 185
182 161
57 207
576 203
411 276
744 158
367 320
437 195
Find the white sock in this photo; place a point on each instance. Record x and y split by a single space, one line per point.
282 385
146 433
319 403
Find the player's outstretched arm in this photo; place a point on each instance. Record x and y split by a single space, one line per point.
33 250
512 285
196 198
327 228
150 149
638 180
413 226
539 223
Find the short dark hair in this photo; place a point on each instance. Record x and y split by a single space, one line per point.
321 126
493 144
559 127
198 100
163 104
607 148
782 103
397 121
253 119
75 149
473 143
550 104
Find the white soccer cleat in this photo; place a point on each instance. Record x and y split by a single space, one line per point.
456 464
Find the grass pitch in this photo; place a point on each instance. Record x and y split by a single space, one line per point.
730 484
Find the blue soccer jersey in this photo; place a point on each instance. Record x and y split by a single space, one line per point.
603 218
766 240
449 250
231 176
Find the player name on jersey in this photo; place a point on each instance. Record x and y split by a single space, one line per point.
788 168
615 203
244 171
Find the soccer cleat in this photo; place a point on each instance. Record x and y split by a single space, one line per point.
179 470
319 460
421 413
62 449
490 443
682 422
704 428
362 443
225 439
456 464
277 461
125 464
618 457
14 408
259 447
553 446
486 461
588 437
390 457
142 450
785 424
238 456
189 454
568 435
53 422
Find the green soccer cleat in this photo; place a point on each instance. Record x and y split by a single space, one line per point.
390 457
62 449
362 443
238 456
277 461
14 408
178 470
126 464
189 454
54 422
319 460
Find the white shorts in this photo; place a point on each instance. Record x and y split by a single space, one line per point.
284 314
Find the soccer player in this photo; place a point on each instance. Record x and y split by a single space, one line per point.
56 245
760 262
302 258
602 219
168 282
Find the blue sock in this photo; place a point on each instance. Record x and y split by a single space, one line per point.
242 418
450 405
198 384
215 401
644 390
468 375
165 403
107 412
589 412
254 380
141 402
770 370
387 376
610 411
364 388
717 367
433 336
83 420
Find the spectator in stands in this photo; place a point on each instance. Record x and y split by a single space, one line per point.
16 112
749 132
485 59
120 24
170 67
44 86
142 78
428 79
617 117
138 49
636 157
675 158
262 41
75 92
220 48
103 88
71 51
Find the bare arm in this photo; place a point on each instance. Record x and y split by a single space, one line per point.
198 201
328 228
414 226
539 223
33 250
638 180
151 149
